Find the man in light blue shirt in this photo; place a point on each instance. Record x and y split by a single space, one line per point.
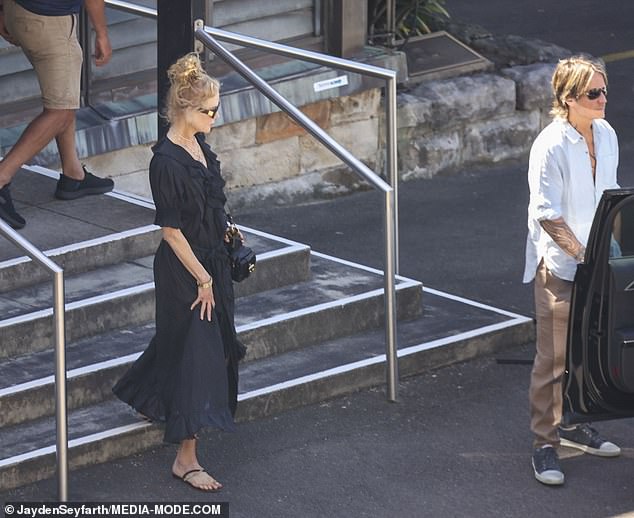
572 161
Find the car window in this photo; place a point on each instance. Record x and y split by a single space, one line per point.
622 242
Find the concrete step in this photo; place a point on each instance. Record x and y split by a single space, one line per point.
122 294
138 243
450 329
20 272
339 300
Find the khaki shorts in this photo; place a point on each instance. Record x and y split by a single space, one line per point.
50 44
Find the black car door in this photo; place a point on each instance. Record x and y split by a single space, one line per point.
599 379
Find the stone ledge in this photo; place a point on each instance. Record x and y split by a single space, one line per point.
533 85
455 101
445 125
326 184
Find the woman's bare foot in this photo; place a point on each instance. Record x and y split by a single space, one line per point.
198 478
187 468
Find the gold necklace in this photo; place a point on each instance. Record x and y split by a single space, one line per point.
191 146
593 156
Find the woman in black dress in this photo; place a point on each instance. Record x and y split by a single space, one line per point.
188 375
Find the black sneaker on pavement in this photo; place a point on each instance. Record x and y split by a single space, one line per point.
7 210
585 438
69 189
546 466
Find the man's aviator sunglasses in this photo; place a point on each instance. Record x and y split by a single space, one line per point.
211 112
595 93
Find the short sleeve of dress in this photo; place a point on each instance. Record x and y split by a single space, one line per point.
167 191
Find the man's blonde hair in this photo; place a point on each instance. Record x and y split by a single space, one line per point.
571 79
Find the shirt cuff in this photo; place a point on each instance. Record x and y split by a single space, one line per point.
547 214
168 217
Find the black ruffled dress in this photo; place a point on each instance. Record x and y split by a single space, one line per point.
188 375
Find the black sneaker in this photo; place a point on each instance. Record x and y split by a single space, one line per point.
585 438
546 466
69 189
7 210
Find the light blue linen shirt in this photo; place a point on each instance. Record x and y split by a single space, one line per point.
561 185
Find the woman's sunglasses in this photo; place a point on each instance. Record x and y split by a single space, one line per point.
595 93
213 111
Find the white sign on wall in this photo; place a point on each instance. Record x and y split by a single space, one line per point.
327 84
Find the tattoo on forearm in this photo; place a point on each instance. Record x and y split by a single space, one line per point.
559 230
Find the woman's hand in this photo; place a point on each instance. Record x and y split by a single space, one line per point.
183 251
205 299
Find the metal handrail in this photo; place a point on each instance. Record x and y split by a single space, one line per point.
204 35
131 8
61 417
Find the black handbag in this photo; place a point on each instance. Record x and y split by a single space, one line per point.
242 257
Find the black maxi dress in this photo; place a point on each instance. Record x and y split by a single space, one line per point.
188 375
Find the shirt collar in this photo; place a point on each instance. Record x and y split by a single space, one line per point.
166 147
573 135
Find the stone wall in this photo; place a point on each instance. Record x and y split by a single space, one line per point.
270 159
442 126
486 118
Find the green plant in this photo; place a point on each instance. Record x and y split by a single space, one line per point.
412 18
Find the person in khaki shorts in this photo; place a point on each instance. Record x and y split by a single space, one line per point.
46 32
572 161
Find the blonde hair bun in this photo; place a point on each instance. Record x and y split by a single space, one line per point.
190 86
186 70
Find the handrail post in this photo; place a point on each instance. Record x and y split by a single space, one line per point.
391 352
60 387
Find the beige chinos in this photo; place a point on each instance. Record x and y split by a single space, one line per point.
552 307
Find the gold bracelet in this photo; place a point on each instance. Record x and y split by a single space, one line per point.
205 285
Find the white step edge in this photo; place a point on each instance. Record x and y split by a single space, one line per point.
97 299
125 292
109 238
